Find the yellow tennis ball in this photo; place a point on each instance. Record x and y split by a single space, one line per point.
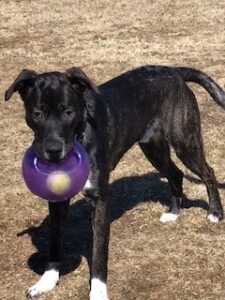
58 182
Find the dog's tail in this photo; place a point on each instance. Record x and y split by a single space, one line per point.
193 75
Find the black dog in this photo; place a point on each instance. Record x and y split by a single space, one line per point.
151 105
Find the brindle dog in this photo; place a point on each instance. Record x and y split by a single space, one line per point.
151 105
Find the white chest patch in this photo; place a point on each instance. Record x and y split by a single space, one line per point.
88 185
98 290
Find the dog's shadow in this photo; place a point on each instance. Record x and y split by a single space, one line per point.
126 192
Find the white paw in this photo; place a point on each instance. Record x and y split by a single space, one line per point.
168 217
212 218
98 290
47 282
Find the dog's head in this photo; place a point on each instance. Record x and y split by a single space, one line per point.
56 108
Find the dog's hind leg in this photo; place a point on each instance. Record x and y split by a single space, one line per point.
186 139
58 218
190 151
157 151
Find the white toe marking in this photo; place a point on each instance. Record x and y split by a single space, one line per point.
47 282
212 218
98 290
168 217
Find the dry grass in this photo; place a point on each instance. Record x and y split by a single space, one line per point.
148 261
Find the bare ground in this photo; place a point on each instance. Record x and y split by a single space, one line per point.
148 260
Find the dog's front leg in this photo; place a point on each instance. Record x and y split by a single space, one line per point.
58 216
101 231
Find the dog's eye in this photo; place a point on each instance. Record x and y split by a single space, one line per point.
68 112
37 114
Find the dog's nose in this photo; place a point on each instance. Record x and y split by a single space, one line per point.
54 150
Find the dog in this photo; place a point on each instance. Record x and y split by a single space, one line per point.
150 105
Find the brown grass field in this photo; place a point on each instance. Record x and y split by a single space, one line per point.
148 260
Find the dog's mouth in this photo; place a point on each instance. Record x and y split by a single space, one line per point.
53 155
54 159
50 158
53 152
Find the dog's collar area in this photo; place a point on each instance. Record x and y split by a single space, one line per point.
80 135
92 122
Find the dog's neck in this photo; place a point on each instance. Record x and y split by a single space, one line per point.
80 131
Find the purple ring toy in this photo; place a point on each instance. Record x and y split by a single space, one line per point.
56 182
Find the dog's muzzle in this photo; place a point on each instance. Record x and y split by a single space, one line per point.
54 150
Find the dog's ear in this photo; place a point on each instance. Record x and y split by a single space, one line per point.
24 80
77 77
